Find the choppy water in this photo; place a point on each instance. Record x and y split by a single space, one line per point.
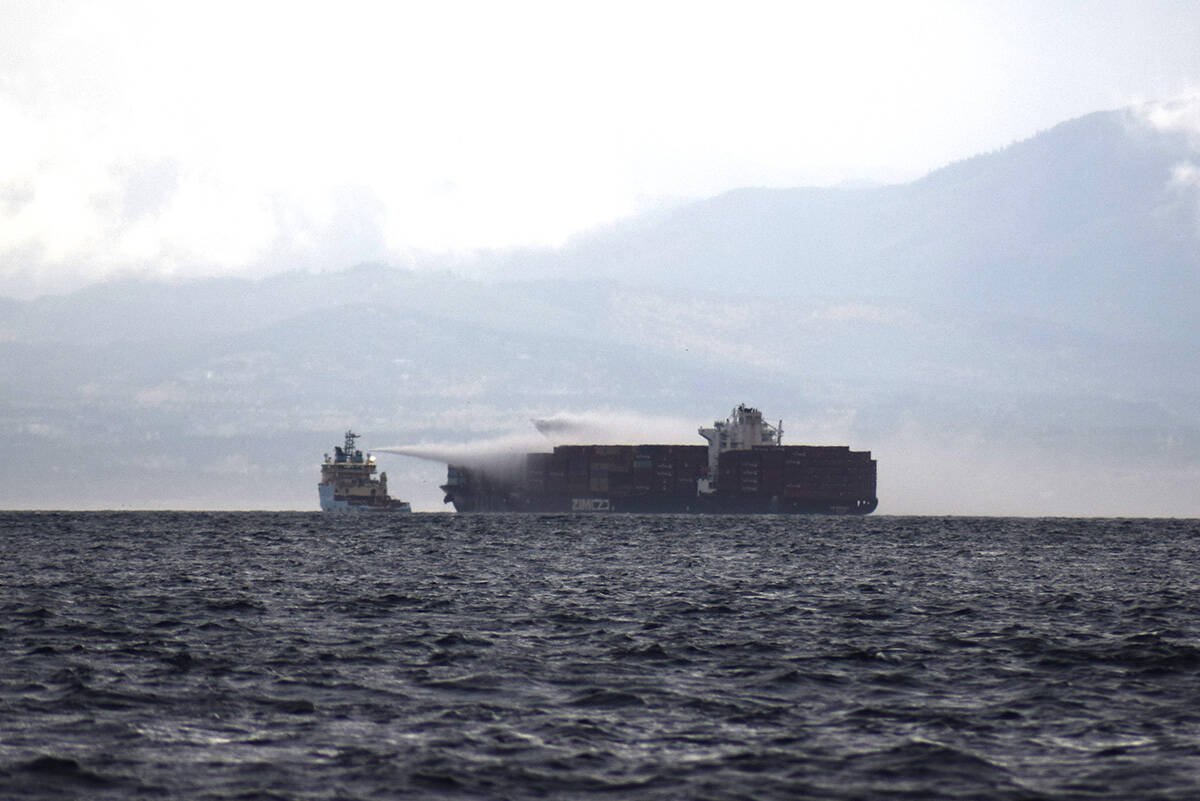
306 656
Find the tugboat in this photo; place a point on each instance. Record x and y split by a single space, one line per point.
348 482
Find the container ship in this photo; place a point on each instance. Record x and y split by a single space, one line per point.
348 482
744 469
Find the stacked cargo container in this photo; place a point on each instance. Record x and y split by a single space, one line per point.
619 471
799 475
749 477
785 478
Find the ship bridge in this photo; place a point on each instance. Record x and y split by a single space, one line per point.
743 430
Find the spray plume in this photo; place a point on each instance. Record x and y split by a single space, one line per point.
566 428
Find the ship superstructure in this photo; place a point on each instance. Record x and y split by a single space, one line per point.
348 482
743 430
744 469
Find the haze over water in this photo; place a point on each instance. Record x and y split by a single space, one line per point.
309 656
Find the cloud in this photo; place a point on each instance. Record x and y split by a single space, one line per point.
1185 183
217 138
1181 114
1177 116
146 188
851 312
1185 175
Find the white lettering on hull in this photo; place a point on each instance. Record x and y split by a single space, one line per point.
591 505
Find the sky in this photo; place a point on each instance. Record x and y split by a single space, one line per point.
217 138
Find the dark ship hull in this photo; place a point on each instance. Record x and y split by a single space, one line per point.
671 479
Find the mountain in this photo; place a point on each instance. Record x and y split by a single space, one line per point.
1011 334
1083 224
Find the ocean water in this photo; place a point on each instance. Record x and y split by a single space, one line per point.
301 656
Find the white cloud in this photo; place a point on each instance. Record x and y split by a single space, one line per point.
229 137
1185 175
848 312
1179 115
1185 183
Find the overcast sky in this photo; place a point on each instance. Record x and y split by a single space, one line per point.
206 138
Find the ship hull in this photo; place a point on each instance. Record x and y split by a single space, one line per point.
331 501
468 503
